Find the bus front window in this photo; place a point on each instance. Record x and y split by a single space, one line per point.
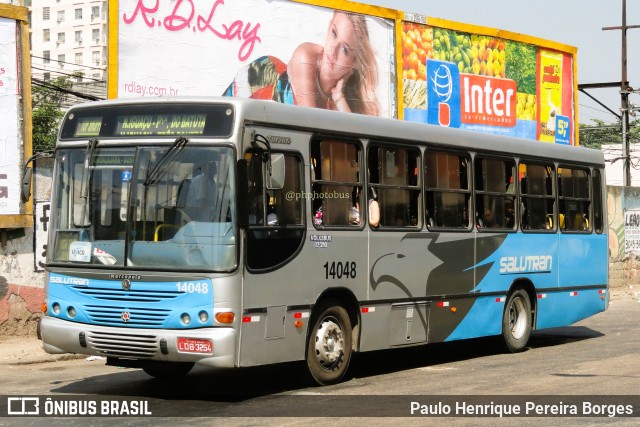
181 219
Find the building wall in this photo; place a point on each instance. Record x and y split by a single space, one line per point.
77 38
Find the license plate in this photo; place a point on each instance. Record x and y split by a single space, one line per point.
194 345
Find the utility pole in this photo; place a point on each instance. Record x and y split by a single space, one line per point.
624 93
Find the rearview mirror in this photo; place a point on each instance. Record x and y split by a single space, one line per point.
25 188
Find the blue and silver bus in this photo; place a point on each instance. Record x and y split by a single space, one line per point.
235 233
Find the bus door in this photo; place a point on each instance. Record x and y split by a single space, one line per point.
273 275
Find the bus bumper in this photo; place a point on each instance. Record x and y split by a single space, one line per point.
61 336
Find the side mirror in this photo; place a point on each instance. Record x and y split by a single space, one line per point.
27 174
275 180
25 188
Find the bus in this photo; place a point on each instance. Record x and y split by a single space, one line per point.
233 233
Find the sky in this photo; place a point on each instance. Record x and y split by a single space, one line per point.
576 23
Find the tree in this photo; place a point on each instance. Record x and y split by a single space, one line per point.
47 111
600 133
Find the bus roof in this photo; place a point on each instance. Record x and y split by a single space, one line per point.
270 113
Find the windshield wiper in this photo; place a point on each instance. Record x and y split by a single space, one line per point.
84 184
88 157
166 161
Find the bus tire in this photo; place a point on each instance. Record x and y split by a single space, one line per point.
168 370
329 344
516 321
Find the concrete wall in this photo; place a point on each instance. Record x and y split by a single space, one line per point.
624 265
22 280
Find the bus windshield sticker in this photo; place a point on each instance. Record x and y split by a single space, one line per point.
80 251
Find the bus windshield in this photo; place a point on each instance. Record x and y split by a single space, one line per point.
161 208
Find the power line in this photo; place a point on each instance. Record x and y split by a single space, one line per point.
70 63
48 85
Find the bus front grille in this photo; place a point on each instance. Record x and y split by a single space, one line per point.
127 316
123 345
130 296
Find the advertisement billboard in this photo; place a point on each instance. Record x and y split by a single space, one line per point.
15 114
487 80
348 57
286 51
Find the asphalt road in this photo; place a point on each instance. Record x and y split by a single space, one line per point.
596 361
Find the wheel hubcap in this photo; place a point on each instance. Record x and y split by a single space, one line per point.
517 318
329 343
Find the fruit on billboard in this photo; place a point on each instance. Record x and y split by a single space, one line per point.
417 46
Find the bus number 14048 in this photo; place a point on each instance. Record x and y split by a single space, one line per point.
193 287
339 270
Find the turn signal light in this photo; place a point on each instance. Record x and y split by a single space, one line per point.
225 317
43 307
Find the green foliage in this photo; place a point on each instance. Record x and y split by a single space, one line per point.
521 66
47 112
600 133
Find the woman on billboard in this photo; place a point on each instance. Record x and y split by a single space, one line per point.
342 75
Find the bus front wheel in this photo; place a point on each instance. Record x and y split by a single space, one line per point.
329 344
516 321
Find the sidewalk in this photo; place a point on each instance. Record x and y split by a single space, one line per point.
23 350
26 350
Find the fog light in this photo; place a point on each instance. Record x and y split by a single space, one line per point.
186 319
55 308
203 316
71 312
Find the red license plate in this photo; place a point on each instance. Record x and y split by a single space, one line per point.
194 345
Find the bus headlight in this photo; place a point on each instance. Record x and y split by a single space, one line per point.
71 312
203 316
55 308
186 319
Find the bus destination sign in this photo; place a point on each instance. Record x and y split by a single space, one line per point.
160 124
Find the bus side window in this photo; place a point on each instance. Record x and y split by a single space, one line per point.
574 198
536 197
394 178
495 193
337 186
448 193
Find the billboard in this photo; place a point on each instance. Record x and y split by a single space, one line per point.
348 57
9 131
487 80
286 51
15 114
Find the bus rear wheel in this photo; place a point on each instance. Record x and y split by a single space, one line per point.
516 321
329 344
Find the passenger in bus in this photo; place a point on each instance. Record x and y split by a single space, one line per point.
341 75
488 219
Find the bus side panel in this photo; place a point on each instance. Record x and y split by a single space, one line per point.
583 259
564 308
411 272
502 259
530 256
583 262
275 300
484 319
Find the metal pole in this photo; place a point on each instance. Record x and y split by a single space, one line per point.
624 95
624 92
